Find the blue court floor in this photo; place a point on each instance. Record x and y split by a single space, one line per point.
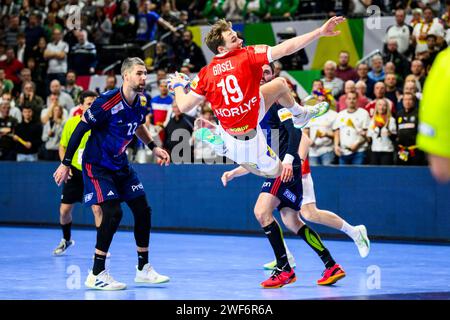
211 267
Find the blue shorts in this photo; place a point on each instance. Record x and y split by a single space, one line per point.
101 184
290 193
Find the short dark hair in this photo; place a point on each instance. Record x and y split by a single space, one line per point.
86 94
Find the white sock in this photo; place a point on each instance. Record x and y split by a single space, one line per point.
297 109
349 230
287 249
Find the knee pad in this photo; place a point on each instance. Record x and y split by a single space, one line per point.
111 217
142 220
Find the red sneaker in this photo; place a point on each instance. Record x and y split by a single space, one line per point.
279 278
331 275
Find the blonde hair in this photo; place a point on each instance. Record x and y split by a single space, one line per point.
214 38
388 110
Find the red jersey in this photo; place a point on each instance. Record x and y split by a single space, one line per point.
230 82
305 167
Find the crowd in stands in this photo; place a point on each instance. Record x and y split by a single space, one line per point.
374 105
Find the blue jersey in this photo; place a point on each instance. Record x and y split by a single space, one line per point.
147 26
113 123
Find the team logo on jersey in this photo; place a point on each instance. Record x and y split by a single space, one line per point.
240 129
260 49
284 114
194 82
289 195
270 153
267 184
143 101
116 108
88 197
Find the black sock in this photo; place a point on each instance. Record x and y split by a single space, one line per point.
66 230
273 232
99 264
314 241
142 259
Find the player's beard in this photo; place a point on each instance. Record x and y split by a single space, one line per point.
139 88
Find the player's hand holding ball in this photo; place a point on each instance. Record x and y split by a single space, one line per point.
178 79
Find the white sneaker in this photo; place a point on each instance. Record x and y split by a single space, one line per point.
149 275
271 265
314 111
362 241
63 246
103 281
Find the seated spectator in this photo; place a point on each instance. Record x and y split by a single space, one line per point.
427 57
162 108
83 57
380 93
12 67
29 99
190 53
392 55
8 126
28 137
14 111
320 131
64 99
407 121
377 72
102 28
6 85
51 134
162 59
344 71
350 133
47 113
111 83
363 70
178 134
330 81
71 88
418 71
361 89
409 87
382 131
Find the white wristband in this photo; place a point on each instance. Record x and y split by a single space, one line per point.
288 159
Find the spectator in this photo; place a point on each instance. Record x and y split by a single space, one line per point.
350 133
34 30
417 17
363 71
13 110
162 108
64 99
56 54
350 86
51 134
213 9
203 152
23 50
12 67
377 72
427 57
411 88
419 73
428 26
380 93
392 92
400 32
9 8
111 83
178 132
382 131
51 24
190 53
6 85
162 60
29 132
48 111
297 60
344 71
12 29
8 125
407 121
102 28
29 99
320 130
71 88
169 13
446 15
434 5
124 24
361 89
54 8
321 94
83 58
282 8
147 21
399 60
358 7
330 81
254 8
110 7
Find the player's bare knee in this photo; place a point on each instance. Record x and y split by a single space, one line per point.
310 215
282 84
263 216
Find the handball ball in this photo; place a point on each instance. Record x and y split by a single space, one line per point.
186 88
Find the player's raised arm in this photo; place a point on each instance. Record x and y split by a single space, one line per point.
293 45
185 101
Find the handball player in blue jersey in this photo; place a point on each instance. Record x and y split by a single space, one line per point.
114 118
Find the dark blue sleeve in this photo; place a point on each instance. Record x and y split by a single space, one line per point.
155 17
98 113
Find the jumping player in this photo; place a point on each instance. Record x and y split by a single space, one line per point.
231 83
114 118
285 193
72 191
